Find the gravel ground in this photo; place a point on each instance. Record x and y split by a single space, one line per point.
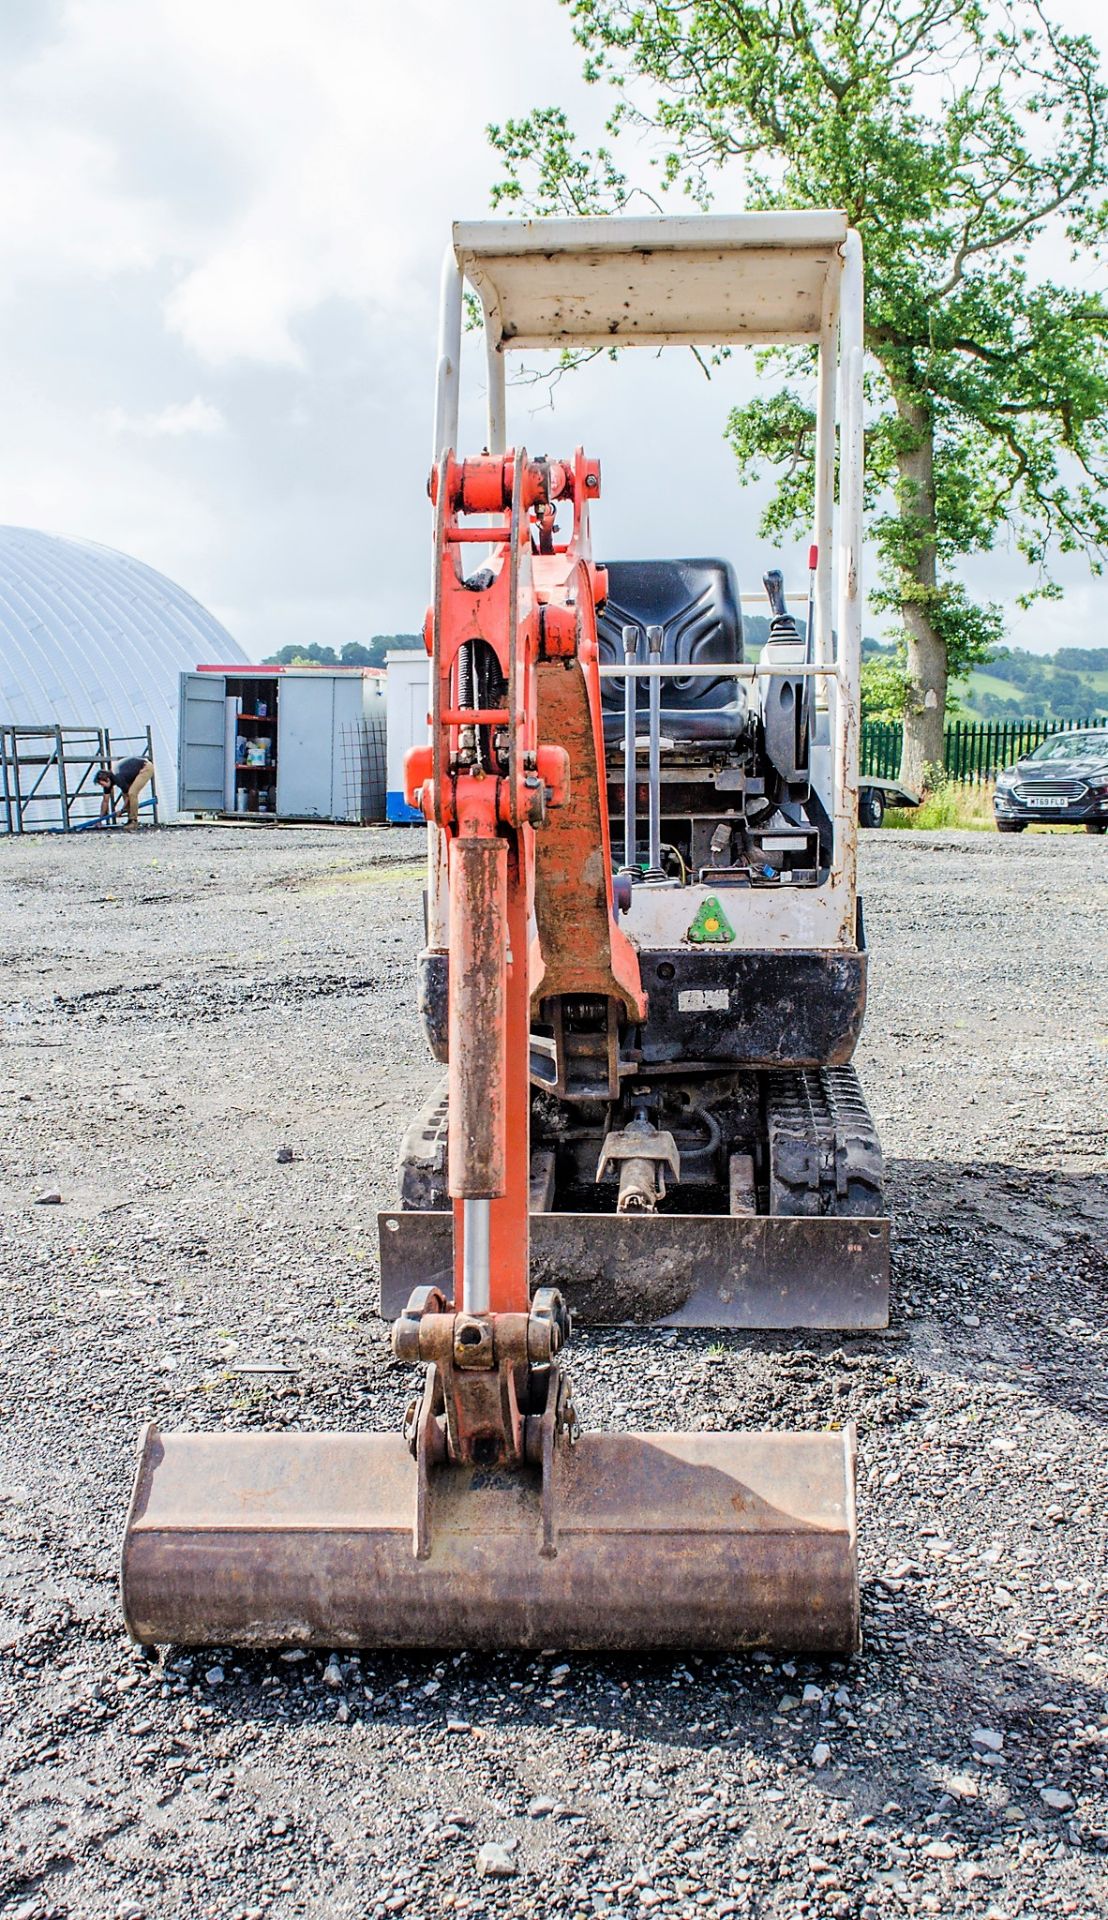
175 1008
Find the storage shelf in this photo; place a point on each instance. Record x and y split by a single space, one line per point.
250 766
260 719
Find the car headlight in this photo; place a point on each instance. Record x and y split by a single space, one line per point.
1005 781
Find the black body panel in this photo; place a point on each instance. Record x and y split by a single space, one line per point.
782 1009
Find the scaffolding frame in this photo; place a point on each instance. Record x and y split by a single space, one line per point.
48 777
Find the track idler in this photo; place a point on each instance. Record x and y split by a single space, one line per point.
492 1523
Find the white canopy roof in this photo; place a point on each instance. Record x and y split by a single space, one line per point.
689 280
91 638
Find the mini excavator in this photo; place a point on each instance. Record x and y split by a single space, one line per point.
645 976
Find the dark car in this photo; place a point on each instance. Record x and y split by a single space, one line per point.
1064 782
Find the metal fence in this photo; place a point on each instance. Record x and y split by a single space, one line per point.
881 748
48 777
974 751
363 756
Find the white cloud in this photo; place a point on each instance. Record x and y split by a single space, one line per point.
61 208
196 416
240 305
342 133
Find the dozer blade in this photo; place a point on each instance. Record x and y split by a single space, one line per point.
714 1541
674 1270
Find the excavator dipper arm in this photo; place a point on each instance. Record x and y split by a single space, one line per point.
512 806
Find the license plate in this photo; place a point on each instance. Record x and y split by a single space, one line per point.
1045 800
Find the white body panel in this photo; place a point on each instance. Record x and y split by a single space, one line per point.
653 282
773 919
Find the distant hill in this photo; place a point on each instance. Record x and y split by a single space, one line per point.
1071 684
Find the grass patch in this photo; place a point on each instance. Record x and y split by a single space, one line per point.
948 806
335 879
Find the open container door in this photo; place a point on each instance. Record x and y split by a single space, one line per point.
201 755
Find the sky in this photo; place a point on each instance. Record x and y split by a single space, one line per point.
221 225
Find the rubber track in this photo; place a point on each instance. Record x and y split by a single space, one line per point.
824 1154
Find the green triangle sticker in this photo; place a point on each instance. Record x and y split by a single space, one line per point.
711 928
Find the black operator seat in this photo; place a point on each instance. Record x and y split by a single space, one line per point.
696 604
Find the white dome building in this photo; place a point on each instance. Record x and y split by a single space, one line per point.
90 637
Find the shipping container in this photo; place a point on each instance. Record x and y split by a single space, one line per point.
283 743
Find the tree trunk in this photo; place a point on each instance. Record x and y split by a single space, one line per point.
925 708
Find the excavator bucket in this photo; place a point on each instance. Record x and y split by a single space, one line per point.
714 1541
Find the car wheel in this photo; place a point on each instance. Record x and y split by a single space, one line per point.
871 807
1096 826
1010 826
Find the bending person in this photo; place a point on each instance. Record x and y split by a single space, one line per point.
131 776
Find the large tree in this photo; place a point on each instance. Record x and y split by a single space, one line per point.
969 144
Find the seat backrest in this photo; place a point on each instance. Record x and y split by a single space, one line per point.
696 604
